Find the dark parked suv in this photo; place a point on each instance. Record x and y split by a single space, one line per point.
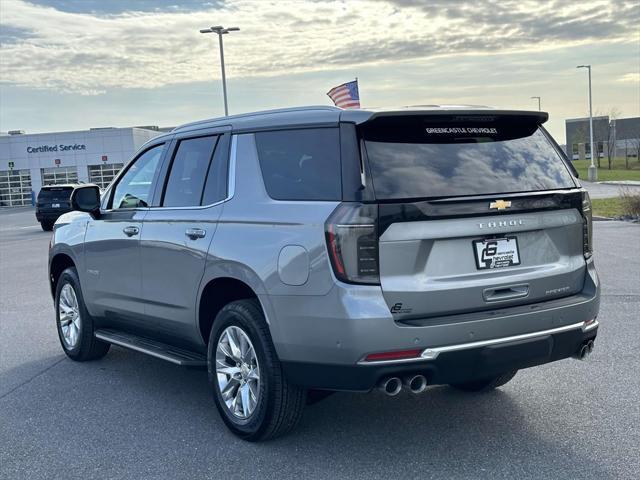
53 201
301 251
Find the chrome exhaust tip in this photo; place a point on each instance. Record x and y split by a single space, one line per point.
391 386
583 352
416 383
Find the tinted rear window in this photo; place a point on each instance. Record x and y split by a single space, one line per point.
57 193
455 161
301 164
189 171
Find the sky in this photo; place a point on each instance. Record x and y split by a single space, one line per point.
75 64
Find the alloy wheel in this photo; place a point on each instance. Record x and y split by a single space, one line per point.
238 372
69 313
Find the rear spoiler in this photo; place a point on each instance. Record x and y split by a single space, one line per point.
453 115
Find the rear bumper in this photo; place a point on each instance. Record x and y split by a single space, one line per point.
49 216
452 366
322 340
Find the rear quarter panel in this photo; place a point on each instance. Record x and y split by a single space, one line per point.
254 233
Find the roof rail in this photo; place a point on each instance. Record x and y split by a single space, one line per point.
257 114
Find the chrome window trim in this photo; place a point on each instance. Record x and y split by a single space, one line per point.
231 187
432 353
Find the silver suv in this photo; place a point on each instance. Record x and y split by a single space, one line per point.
303 251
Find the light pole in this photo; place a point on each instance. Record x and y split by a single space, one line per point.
220 30
539 108
592 172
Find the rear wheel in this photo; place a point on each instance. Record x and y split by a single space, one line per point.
251 392
75 325
486 384
47 226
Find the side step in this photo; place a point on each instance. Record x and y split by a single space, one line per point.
159 350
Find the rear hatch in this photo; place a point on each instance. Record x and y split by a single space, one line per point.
476 211
54 198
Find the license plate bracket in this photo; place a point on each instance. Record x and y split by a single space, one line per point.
492 253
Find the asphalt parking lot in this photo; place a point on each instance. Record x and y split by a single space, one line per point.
132 416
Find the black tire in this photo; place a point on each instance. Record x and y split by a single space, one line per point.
280 405
46 226
87 347
486 384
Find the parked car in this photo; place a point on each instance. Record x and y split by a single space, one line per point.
53 201
309 250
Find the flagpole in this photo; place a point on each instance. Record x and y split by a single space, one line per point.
359 97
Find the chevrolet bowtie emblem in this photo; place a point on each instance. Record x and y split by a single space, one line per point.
500 204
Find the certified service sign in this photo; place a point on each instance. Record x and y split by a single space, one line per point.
56 148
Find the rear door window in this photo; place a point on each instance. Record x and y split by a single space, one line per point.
188 172
301 164
215 187
453 160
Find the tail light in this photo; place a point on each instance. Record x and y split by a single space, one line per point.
352 241
587 226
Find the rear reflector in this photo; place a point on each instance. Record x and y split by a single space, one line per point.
398 355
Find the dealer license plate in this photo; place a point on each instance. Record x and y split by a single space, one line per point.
496 253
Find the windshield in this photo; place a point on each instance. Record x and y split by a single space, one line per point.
452 162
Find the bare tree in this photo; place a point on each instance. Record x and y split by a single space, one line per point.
581 135
634 143
614 113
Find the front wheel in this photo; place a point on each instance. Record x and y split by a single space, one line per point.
486 384
75 325
251 392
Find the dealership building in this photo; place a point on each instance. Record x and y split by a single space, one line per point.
30 161
618 137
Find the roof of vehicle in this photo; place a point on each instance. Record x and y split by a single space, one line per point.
60 185
326 116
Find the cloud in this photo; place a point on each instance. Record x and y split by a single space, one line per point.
108 7
630 78
82 47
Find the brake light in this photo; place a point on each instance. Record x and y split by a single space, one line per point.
352 242
587 226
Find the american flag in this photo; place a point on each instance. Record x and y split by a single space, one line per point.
345 95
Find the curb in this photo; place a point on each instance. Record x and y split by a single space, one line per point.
621 183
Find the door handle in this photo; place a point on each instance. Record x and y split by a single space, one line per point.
195 233
131 231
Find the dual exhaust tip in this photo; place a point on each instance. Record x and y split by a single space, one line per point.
585 350
418 383
392 385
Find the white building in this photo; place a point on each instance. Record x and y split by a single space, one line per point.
29 161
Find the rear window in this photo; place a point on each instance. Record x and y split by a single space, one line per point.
58 193
301 164
454 160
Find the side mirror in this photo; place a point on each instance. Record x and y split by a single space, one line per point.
86 198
